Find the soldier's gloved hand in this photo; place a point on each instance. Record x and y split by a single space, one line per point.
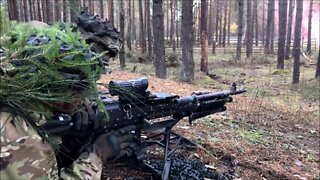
115 144
88 119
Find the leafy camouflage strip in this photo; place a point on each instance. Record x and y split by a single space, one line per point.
24 155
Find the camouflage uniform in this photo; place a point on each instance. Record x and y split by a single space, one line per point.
25 155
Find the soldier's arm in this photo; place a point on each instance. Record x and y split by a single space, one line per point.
86 166
24 154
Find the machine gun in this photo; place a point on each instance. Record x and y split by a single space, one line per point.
153 112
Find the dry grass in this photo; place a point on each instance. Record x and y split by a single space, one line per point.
272 131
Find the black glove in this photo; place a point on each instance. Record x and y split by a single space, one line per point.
115 144
88 119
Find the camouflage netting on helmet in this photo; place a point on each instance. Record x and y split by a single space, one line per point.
101 34
39 65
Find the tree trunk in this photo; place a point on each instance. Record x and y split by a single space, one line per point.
49 9
204 37
229 20
249 34
199 24
25 11
91 6
173 29
110 6
74 10
214 39
263 22
256 23
187 66
210 24
282 33
158 34
318 65
142 30
149 29
44 10
270 18
31 10
225 24
297 43
65 11
13 10
309 27
57 9
290 15
167 20
220 23
134 35
272 34
129 26
110 11
240 31
121 19
217 22
21 9
40 17
177 23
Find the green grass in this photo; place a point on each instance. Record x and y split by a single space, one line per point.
309 90
252 136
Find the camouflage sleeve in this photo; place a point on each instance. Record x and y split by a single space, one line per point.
87 166
25 155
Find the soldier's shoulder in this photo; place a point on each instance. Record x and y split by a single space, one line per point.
23 151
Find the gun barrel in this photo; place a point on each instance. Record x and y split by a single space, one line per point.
218 95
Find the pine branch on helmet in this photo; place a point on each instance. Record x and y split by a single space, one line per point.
39 65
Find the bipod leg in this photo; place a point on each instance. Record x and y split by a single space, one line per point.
167 159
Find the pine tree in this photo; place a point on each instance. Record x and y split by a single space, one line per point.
158 35
297 43
282 33
318 65
187 65
121 19
288 41
309 27
129 25
270 18
249 32
110 11
142 30
240 31
149 29
204 37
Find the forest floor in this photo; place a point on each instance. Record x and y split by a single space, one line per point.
270 132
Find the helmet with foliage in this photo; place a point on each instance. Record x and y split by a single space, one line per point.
39 65
100 34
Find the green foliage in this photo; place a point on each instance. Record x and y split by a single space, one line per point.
4 21
172 60
280 71
36 79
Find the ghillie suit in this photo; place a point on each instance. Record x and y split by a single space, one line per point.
40 67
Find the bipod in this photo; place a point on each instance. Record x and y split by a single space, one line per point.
171 142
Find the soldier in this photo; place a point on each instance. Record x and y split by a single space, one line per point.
47 73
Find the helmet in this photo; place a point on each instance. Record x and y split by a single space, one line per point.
40 64
101 34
